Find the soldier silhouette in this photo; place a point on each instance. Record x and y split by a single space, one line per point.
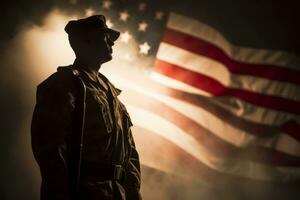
80 131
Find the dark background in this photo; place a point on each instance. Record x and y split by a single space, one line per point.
260 24
272 24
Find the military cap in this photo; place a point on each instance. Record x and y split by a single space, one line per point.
95 22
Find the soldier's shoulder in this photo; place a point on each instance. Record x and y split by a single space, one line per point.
63 77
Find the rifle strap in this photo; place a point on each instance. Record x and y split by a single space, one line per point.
80 106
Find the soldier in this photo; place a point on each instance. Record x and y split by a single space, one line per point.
80 131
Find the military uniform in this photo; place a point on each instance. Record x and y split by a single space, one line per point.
107 141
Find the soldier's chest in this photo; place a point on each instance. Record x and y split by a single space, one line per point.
103 109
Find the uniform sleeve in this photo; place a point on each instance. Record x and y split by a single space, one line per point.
50 124
133 176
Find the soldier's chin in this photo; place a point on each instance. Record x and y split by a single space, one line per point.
106 58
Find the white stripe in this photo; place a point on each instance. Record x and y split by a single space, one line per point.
283 143
173 83
219 72
207 120
193 62
250 55
236 106
177 136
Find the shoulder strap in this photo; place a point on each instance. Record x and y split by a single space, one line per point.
69 68
81 110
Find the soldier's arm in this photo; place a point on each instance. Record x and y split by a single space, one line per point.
50 125
133 176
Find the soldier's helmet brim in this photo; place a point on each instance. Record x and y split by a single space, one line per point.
114 34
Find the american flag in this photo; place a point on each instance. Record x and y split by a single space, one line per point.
205 109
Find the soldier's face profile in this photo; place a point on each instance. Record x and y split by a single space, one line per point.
100 45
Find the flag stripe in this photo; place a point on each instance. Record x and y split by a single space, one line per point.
170 158
244 54
290 127
219 72
204 48
208 139
205 110
236 106
190 145
216 88
178 160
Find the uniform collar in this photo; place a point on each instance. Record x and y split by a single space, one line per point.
97 77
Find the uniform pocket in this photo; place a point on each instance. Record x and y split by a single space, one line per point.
105 114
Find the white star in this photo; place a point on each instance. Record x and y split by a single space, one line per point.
142 6
124 16
89 12
159 15
125 37
143 26
144 48
109 23
106 4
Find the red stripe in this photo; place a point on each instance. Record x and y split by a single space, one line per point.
292 128
257 129
216 88
269 156
208 139
211 51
